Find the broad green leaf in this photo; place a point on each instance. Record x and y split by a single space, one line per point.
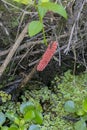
34 28
80 125
2 118
26 106
38 117
84 105
70 106
26 2
55 8
34 127
29 115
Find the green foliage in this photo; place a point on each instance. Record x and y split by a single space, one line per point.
81 111
35 27
42 6
70 106
63 89
34 127
84 105
55 8
74 90
26 2
29 114
4 96
80 125
2 118
26 106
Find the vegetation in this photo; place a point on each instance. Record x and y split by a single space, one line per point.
29 113
42 7
61 102
62 105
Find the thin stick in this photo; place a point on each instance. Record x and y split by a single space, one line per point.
72 30
28 77
12 51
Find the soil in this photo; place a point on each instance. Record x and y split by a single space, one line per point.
23 61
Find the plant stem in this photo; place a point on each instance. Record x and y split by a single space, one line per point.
41 20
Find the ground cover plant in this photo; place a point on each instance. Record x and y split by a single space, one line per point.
29 114
43 65
58 104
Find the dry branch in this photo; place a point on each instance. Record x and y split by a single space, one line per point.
12 51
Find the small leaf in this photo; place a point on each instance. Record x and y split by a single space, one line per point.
80 112
13 127
22 122
42 11
34 28
23 1
38 117
2 118
16 120
38 106
4 128
80 125
84 105
70 106
44 0
26 106
84 118
11 115
55 8
34 127
29 115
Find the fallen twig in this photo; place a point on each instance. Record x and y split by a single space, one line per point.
73 28
12 51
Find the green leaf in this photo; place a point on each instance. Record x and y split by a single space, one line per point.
16 120
70 106
84 117
38 117
29 115
11 115
84 105
22 122
2 118
24 127
34 28
38 106
55 8
26 2
4 128
80 125
13 127
80 112
44 0
26 106
42 11
34 127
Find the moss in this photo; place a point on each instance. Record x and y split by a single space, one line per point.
67 87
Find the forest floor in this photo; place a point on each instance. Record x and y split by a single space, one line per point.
71 54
